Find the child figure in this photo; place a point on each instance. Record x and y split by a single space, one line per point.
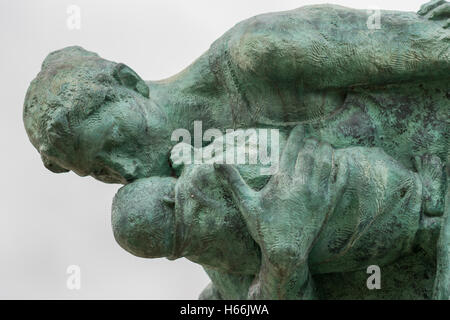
324 211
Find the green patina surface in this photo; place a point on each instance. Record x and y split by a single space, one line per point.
363 116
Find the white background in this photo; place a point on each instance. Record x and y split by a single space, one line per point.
50 221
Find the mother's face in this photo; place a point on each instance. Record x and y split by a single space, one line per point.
94 117
119 144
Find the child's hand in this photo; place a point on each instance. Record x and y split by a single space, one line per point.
285 216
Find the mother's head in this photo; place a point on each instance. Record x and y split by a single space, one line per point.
95 117
143 217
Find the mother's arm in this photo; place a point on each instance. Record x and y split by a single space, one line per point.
327 46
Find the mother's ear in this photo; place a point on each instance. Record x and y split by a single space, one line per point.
130 79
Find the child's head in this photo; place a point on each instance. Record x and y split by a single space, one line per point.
143 217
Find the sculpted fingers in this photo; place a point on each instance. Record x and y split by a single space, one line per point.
290 152
241 191
314 175
245 197
304 163
322 167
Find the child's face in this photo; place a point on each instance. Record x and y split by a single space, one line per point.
143 217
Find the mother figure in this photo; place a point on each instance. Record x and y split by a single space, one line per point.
321 66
